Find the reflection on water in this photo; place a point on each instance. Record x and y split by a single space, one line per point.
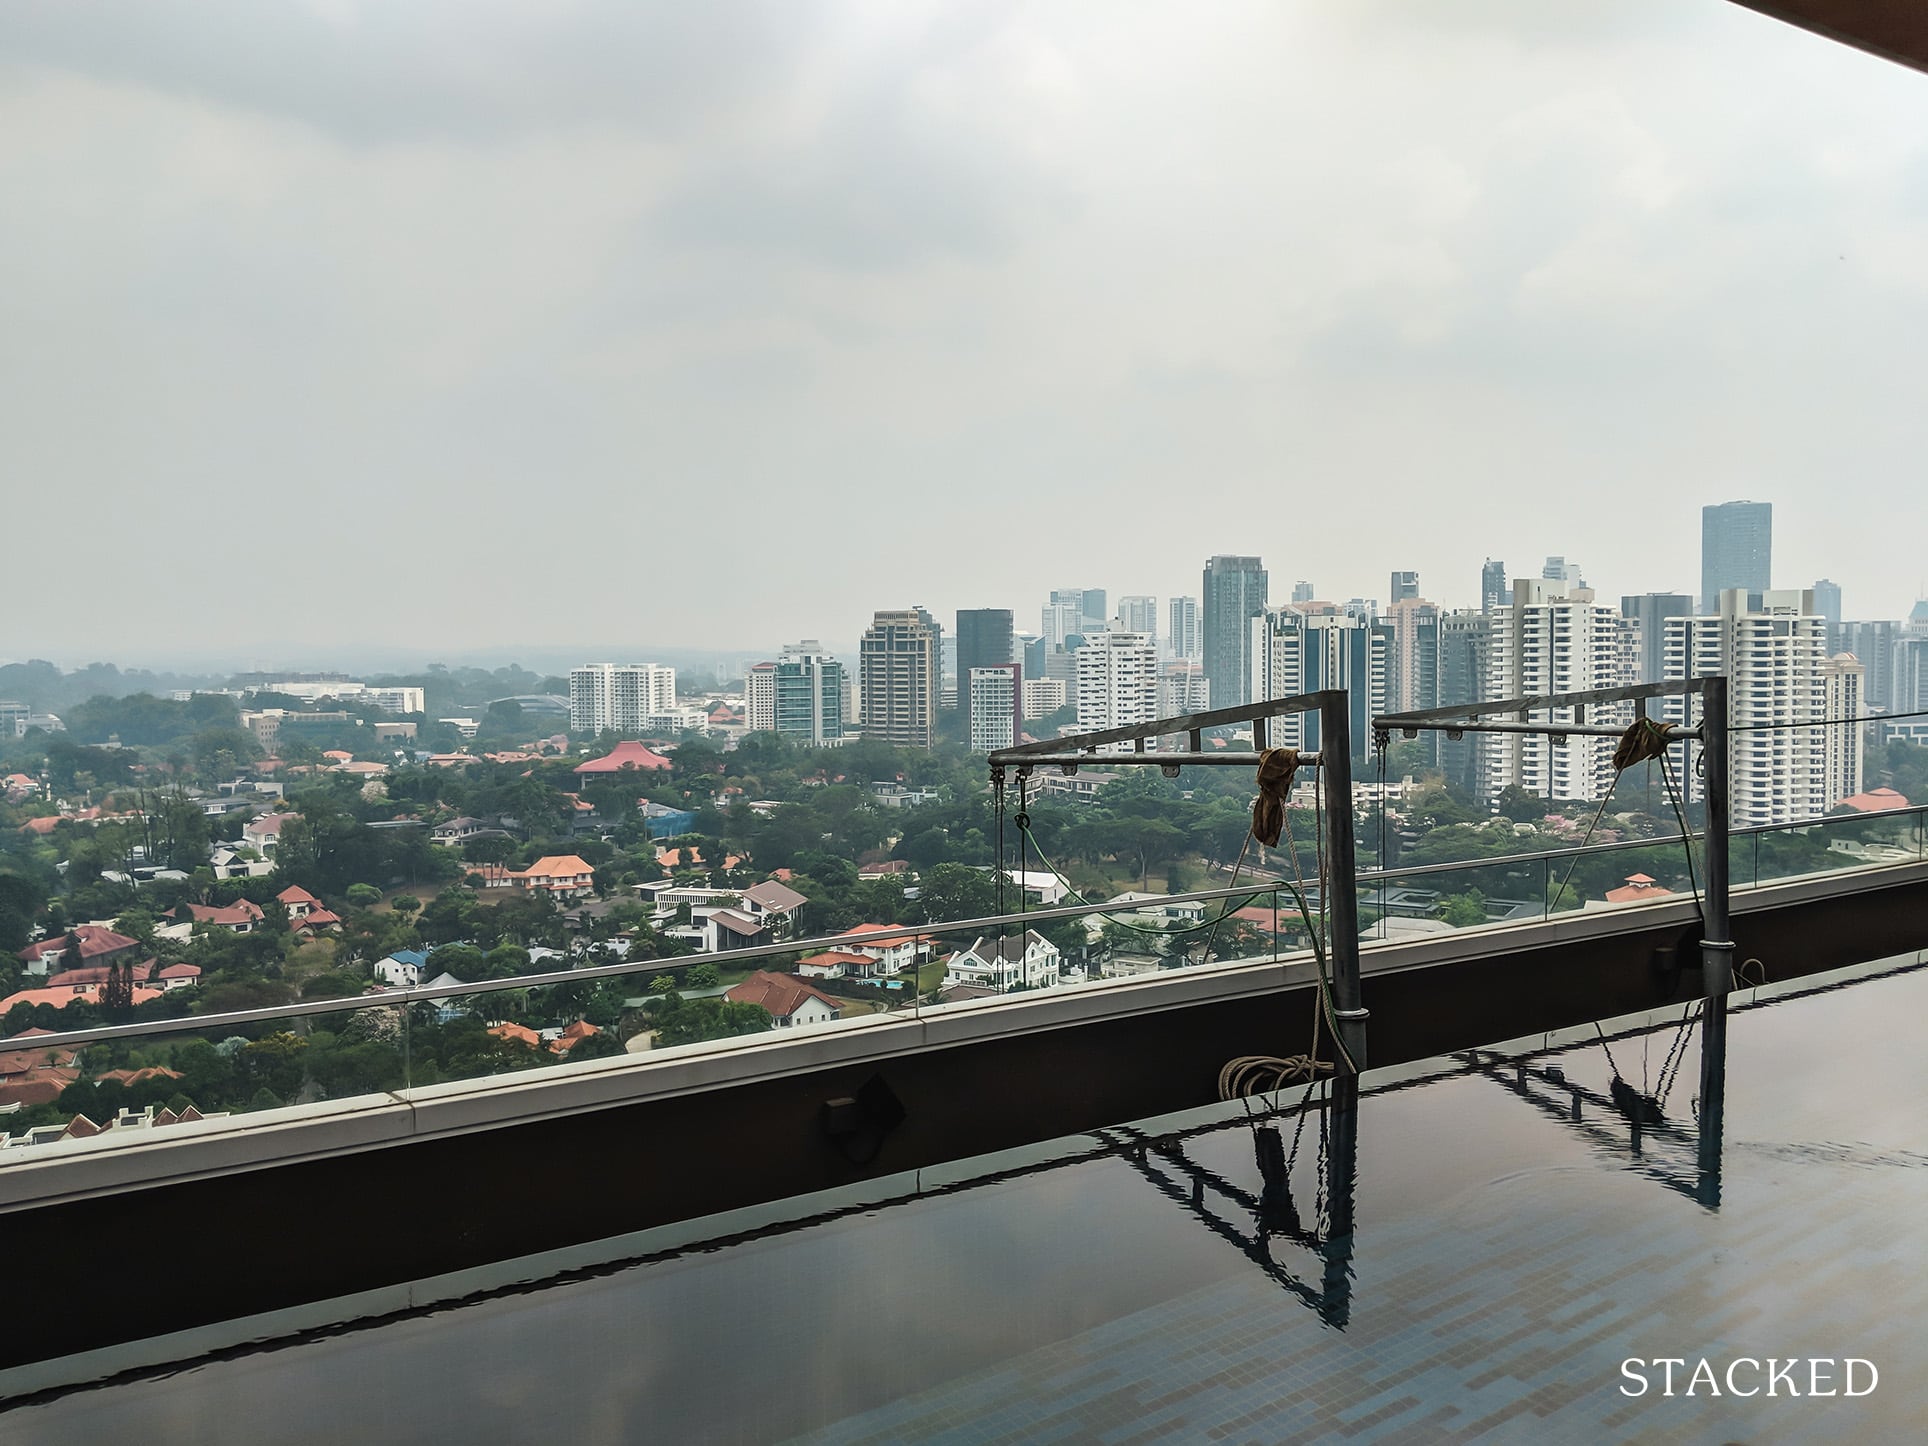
1252 1220
1462 1250
1682 1149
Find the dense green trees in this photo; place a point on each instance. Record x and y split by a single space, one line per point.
677 1020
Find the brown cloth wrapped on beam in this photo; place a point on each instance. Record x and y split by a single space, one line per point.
1276 767
1648 738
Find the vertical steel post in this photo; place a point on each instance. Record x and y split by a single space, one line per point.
1716 942
1342 885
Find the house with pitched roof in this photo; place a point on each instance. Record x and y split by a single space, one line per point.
732 929
240 917
894 947
516 1034
628 754
263 832
838 964
1638 888
560 876
61 998
402 969
1027 961
790 1000
98 945
307 914
774 905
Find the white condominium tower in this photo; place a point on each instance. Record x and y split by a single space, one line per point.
996 700
619 696
1775 659
1552 637
1117 681
1843 680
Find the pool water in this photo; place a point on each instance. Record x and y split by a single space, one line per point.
1515 1237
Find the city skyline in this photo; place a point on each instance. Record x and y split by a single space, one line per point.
476 321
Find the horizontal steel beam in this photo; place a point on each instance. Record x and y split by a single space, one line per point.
1632 693
1074 761
1594 730
1165 727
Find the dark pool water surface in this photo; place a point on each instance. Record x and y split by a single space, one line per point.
1520 1228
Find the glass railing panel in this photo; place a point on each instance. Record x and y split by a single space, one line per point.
1396 906
182 1074
154 1072
1831 845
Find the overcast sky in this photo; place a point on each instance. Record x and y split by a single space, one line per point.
334 329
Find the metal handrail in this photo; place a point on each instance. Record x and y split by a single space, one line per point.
398 998
1621 845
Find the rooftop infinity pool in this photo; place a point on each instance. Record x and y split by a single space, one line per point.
1472 1248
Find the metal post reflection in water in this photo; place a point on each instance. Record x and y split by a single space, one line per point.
1342 1176
1713 1108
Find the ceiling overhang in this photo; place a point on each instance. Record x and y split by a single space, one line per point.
1894 29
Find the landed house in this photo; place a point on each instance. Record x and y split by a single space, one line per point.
894 947
838 964
1040 886
243 916
560 876
891 793
30 1076
516 1034
61 998
1875 800
97 945
177 976
1029 961
790 1000
229 864
561 1041
263 832
458 831
94 974
732 929
1638 887
625 755
776 906
306 913
491 876
402 969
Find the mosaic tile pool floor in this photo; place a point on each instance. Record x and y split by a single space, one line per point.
1515 1240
